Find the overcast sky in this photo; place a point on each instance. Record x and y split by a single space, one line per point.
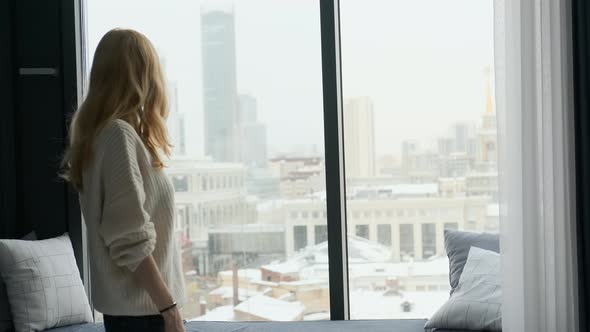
421 61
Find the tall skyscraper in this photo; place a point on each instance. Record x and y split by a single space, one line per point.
222 121
359 137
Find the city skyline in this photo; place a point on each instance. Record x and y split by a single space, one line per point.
452 73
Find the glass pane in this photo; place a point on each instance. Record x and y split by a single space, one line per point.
384 234
420 145
246 121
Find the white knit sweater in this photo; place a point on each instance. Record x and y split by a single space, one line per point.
128 208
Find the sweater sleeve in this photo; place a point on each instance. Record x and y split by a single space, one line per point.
125 225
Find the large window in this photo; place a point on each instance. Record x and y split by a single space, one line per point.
244 81
419 139
247 109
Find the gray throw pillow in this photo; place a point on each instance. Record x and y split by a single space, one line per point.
476 304
43 284
457 245
5 315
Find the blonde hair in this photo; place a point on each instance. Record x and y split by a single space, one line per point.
126 82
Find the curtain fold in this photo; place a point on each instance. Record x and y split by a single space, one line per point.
534 106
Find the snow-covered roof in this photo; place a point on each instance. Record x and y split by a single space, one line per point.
317 316
287 267
374 305
223 313
227 292
242 273
264 283
359 250
269 308
438 266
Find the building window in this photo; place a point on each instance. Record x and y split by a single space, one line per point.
204 183
315 214
180 183
299 237
384 234
377 214
428 240
294 214
406 240
367 214
321 233
304 214
362 231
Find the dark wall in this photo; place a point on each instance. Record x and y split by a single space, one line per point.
38 94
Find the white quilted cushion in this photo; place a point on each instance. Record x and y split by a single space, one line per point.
43 284
5 315
476 302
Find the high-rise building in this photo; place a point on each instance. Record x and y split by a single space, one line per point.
248 108
359 137
254 152
463 136
253 133
222 121
176 121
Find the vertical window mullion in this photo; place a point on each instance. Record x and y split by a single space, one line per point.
334 154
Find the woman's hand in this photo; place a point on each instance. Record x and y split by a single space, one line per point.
173 320
148 276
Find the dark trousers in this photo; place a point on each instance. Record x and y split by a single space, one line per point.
153 323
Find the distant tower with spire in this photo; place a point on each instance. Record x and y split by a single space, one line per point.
488 134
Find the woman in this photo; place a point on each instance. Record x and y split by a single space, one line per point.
117 141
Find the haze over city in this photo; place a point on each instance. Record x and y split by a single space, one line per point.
420 82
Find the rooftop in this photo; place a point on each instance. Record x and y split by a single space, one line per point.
268 308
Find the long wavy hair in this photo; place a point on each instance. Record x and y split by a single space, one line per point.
126 82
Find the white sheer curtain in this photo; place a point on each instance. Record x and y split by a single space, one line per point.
533 96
